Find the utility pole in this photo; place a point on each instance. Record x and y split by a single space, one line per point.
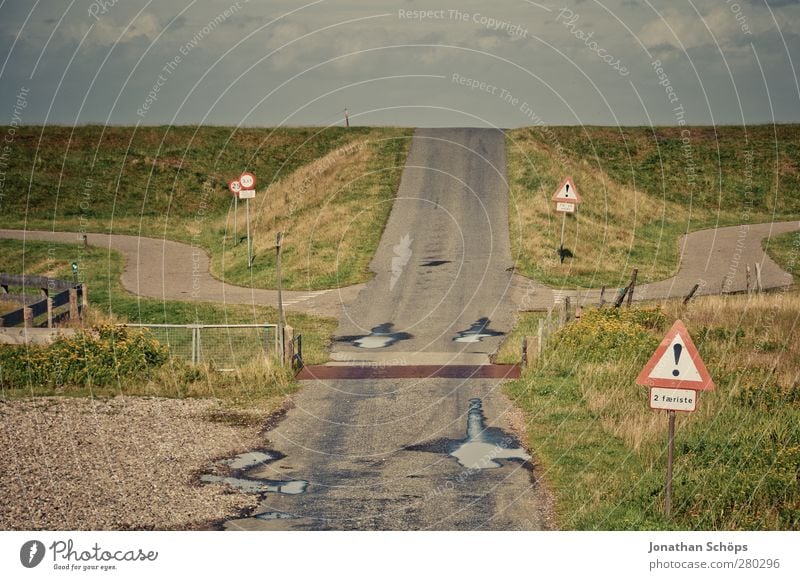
346 118
281 319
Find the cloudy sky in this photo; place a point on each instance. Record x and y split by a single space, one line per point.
506 63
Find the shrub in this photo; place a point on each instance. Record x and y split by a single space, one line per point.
612 333
98 356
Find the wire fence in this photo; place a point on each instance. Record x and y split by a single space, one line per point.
222 346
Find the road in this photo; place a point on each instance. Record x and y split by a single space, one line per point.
441 291
415 453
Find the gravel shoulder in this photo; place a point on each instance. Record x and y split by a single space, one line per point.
121 464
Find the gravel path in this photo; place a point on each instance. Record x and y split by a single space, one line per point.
122 464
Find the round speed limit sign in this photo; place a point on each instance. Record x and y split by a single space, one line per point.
235 187
247 180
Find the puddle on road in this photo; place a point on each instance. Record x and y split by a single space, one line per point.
381 336
483 446
248 460
477 332
274 516
242 464
246 485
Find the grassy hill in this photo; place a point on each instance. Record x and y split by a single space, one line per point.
642 188
172 182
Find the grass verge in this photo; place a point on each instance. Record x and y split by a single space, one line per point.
785 250
602 450
641 188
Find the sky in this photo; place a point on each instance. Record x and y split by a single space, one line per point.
507 63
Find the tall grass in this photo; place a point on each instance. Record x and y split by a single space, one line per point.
642 188
602 450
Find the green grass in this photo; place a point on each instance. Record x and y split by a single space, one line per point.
785 250
101 271
641 188
172 182
601 450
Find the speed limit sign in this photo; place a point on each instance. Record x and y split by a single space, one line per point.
247 180
235 187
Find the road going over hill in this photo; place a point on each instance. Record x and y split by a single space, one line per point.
414 453
441 292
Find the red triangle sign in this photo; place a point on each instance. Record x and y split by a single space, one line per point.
566 192
676 364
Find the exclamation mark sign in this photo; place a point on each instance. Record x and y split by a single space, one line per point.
677 349
568 190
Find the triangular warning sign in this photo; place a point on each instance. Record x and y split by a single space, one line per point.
566 192
676 364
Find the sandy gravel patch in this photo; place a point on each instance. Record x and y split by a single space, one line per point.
125 463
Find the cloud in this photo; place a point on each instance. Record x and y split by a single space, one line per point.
107 32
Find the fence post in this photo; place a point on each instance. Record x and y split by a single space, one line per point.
567 307
691 293
84 295
194 346
759 287
540 337
632 286
73 304
602 296
747 278
288 344
27 315
524 352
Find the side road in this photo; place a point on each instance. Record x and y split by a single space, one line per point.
715 259
168 270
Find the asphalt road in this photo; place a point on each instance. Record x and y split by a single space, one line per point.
398 454
441 269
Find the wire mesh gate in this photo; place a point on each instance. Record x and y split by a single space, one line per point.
222 346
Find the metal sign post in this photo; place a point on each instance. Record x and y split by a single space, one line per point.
670 453
674 374
249 252
567 200
235 187
248 192
281 320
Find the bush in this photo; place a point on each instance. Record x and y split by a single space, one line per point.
93 357
612 333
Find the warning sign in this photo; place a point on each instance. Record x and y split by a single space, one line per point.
676 364
566 192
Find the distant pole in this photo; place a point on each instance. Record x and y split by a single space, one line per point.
670 452
249 260
561 248
346 118
281 319
235 216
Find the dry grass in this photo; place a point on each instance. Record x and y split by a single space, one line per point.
332 213
614 226
736 456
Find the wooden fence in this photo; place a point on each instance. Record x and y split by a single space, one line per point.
72 295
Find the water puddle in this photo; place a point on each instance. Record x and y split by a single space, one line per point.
274 516
240 465
381 336
483 447
477 332
246 485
